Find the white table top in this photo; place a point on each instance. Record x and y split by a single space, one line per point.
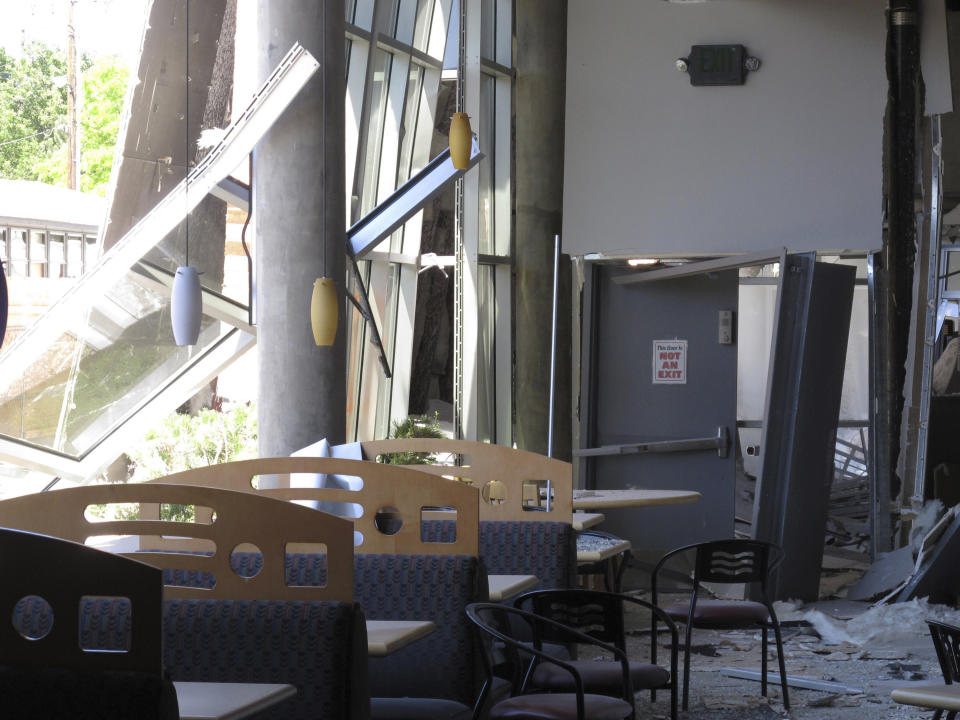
504 586
227 701
583 499
584 520
388 636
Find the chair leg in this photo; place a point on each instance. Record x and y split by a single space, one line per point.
686 666
937 713
763 663
783 668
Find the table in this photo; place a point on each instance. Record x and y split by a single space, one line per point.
601 550
601 499
388 636
504 586
935 697
227 701
584 520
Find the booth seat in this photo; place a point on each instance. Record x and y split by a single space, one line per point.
320 647
547 549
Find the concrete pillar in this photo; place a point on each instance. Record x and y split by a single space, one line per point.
540 53
299 207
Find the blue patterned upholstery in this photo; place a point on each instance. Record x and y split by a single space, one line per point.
320 647
302 569
545 549
445 664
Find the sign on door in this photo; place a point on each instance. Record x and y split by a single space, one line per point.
669 362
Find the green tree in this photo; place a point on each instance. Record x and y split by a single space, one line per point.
104 89
33 107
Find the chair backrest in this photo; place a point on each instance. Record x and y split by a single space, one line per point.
733 561
946 641
391 505
594 613
512 483
275 533
49 577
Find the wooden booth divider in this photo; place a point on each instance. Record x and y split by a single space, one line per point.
512 483
388 510
226 522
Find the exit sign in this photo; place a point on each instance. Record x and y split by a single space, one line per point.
717 65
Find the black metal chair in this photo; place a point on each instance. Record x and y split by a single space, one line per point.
505 653
946 641
733 561
601 616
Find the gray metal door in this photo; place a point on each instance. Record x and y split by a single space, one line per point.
654 369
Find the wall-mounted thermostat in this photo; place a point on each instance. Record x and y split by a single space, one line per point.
726 327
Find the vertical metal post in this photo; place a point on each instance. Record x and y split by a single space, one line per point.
553 342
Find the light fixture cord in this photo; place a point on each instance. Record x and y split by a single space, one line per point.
323 137
186 143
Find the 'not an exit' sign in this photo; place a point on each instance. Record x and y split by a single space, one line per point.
669 362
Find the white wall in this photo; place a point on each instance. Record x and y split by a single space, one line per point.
790 159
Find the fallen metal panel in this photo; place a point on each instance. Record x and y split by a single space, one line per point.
241 136
407 201
792 681
800 425
728 262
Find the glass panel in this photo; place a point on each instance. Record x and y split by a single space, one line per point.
383 63
951 266
362 12
3 249
487 240
38 254
350 6
757 307
74 255
421 33
91 253
486 355
488 29
389 331
403 20
18 252
16 481
57 257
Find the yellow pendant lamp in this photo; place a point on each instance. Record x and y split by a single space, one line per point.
461 139
324 311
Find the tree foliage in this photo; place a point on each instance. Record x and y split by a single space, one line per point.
33 116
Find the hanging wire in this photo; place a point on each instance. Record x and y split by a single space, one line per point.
323 139
186 144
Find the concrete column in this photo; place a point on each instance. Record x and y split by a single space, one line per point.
299 207
540 52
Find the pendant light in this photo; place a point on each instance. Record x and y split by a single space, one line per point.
324 308
461 140
185 300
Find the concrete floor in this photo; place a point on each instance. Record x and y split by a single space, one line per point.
898 652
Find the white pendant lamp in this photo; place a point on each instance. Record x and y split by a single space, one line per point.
186 300
185 305
461 140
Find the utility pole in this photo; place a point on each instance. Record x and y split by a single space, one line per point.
73 104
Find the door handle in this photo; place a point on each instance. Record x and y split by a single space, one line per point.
720 442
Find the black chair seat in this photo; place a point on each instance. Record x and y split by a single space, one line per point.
605 678
560 706
720 613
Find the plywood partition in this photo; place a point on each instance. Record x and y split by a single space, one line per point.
239 521
391 504
512 483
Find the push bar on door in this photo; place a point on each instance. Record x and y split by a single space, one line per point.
720 442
